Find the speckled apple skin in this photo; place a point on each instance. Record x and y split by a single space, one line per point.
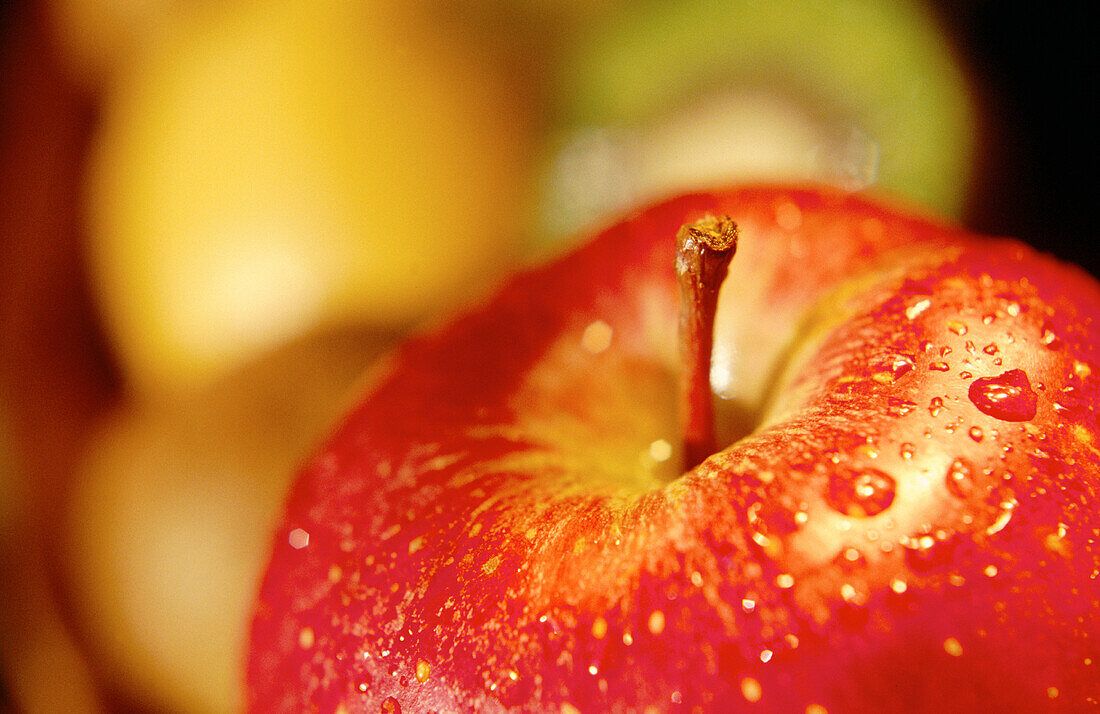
910 526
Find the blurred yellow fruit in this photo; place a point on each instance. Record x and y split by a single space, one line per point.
168 521
266 166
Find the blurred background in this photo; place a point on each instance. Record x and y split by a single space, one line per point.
216 216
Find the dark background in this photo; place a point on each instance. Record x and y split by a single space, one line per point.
1035 66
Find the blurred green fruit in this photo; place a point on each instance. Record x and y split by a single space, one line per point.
671 96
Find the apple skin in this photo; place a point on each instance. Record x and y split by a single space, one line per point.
902 521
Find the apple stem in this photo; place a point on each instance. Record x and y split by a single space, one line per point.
703 253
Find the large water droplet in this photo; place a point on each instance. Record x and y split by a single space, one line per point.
862 493
1007 397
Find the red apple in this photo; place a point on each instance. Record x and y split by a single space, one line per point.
901 517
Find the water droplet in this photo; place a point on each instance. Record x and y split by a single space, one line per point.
860 493
298 538
850 595
952 647
958 327
660 450
1071 401
976 434
960 478
991 349
939 366
899 407
926 552
788 215
894 368
1003 518
751 689
597 337
935 406
770 518
1056 542
907 450
656 622
1050 338
866 451
1007 397
917 308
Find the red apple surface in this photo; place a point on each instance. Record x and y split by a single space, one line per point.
901 517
